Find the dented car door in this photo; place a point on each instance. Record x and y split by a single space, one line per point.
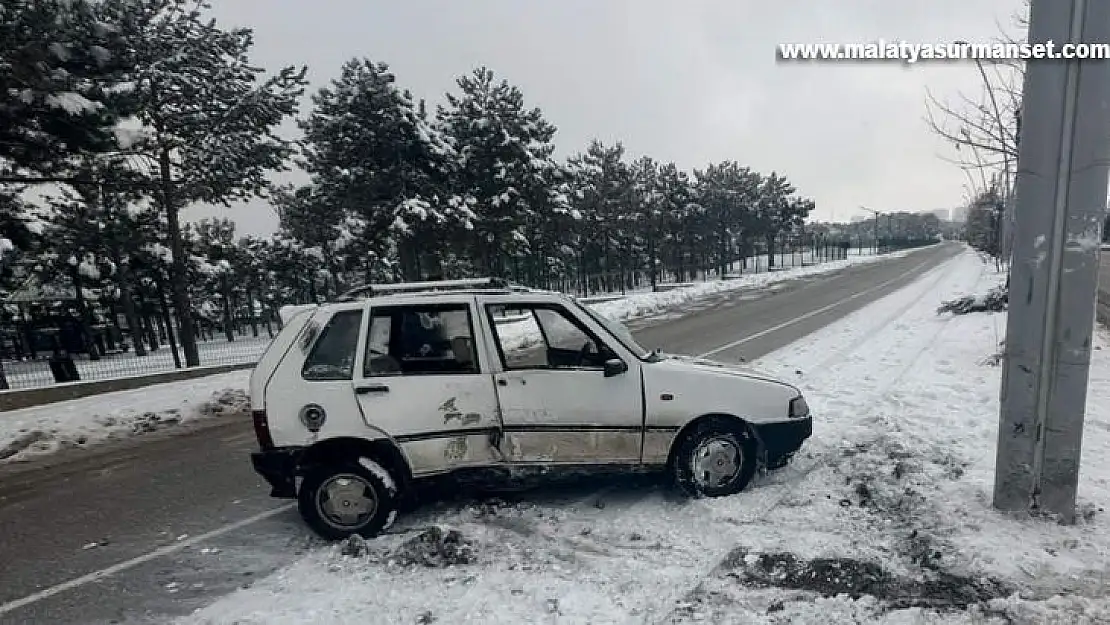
568 392
423 380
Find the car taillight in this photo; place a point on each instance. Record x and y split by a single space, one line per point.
262 430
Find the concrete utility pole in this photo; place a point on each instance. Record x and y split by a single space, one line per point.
1061 199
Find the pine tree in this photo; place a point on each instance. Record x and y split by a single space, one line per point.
59 61
505 164
209 117
773 212
383 168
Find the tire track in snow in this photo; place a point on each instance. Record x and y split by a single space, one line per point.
711 565
825 366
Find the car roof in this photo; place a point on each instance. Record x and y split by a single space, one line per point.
414 297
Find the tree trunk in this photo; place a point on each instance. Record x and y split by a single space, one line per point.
226 288
148 318
254 317
127 299
161 289
84 316
178 272
770 251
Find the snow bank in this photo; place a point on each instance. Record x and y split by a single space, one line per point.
45 429
645 304
884 518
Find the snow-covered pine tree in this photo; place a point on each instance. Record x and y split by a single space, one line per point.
773 213
208 114
59 60
603 197
679 208
309 217
215 244
505 158
379 171
650 208
253 279
728 192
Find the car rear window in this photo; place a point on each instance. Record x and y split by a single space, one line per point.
333 353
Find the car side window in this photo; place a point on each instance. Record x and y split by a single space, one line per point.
545 337
420 340
333 354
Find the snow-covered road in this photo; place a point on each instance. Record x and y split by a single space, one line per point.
884 519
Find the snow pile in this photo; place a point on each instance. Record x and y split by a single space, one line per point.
884 518
994 300
48 428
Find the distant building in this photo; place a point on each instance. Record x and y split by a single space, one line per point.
959 214
942 214
858 218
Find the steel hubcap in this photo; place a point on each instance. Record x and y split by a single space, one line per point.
716 462
346 500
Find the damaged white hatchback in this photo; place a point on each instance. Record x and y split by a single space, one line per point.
355 402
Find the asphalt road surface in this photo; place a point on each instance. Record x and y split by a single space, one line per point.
154 527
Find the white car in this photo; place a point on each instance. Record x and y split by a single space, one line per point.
363 397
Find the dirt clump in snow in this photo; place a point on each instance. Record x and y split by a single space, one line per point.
228 402
22 442
153 421
830 577
435 547
354 546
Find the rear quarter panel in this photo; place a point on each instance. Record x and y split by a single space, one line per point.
275 353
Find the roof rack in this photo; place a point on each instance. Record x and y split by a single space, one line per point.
370 290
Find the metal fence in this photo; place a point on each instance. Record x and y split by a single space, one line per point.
24 371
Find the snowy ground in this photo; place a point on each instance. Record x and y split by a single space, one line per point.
245 349
82 422
885 518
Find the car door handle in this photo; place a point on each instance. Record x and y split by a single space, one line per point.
371 388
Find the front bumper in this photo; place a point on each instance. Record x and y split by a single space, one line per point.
278 467
780 440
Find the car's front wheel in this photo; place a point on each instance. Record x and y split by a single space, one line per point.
715 459
337 501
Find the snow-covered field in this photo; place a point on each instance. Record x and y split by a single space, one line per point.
885 517
247 349
45 429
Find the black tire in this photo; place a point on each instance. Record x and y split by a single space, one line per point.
722 434
314 492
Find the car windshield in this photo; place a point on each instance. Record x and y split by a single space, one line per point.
618 330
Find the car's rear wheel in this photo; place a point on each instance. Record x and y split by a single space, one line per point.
715 459
341 500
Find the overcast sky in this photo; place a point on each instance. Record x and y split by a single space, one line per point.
686 81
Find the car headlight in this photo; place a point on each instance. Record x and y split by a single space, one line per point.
799 408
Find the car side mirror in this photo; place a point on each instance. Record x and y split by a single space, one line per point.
615 366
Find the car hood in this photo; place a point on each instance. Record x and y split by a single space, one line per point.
739 370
